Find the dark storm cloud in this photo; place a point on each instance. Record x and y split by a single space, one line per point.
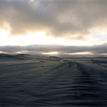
57 17
98 49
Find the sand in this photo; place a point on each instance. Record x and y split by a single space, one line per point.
50 81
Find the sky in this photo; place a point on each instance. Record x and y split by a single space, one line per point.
57 27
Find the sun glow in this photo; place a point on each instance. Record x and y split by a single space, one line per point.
96 36
80 53
23 40
51 53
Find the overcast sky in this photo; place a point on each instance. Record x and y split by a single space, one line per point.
58 26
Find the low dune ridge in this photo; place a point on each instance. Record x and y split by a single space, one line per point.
29 80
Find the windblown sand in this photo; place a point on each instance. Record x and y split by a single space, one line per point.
54 83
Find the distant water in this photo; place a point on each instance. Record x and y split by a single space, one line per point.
58 84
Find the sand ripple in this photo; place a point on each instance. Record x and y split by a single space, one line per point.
60 84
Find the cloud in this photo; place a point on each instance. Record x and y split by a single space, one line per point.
58 18
40 49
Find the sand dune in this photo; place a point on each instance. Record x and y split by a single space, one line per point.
50 82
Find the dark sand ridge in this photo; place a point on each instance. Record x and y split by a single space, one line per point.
51 82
